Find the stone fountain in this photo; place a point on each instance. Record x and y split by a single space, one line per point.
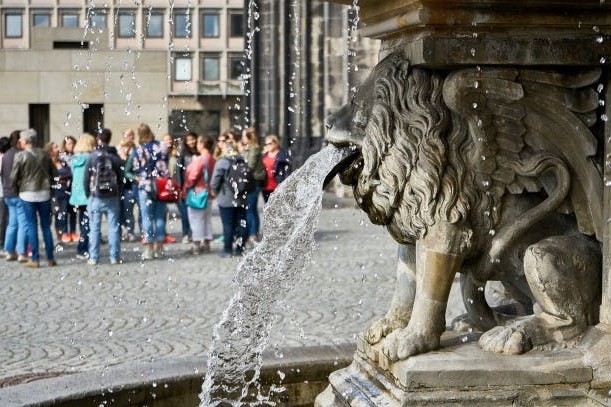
483 146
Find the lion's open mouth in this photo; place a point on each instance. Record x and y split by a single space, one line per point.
345 166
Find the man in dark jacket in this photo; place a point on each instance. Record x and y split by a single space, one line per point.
103 184
32 176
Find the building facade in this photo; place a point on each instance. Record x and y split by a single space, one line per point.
306 62
69 66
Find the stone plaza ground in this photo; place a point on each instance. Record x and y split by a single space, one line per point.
77 318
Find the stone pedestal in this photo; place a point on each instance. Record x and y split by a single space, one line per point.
460 373
446 36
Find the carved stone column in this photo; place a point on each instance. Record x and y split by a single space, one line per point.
539 40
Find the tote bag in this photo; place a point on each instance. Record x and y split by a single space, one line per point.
198 200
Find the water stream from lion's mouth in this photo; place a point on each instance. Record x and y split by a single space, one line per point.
264 277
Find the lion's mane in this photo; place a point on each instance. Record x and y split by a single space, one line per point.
415 158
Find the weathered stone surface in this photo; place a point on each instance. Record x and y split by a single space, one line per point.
520 143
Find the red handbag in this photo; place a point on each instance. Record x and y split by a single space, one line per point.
168 190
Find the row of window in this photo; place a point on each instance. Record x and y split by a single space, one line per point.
210 67
125 22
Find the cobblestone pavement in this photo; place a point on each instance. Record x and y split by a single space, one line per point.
75 317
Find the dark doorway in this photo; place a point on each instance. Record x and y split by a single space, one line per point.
93 118
39 121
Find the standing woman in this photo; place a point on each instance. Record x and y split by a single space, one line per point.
129 195
187 150
148 162
67 151
277 165
197 176
231 208
5 145
16 231
252 154
78 199
60 191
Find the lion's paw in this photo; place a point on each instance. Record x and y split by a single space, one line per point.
403 343
510 340
381 328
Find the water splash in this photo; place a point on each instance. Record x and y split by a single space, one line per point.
264 278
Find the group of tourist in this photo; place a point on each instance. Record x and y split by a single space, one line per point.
79 182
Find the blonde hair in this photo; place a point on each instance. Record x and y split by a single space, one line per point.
274 138
145 134
85 143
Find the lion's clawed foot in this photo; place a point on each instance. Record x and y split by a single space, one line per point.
381 328
512 339
404 343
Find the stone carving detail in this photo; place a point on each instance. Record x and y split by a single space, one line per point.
490 172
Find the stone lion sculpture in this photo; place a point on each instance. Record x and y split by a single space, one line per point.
493 173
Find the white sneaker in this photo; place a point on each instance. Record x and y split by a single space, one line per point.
92 262
115 261
186 239
147 255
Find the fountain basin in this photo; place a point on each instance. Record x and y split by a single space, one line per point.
302 371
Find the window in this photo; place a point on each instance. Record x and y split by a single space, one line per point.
210 24
12 24
182 23
97 19
153 22
39 121
236 24
93 118
41 19
69 19
210 67
126 24
182 68
235 68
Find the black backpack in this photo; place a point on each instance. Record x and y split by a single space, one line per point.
239 177
104 180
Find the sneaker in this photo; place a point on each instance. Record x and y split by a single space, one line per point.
158 253
115 261
147 255
10 257
169 239
22 258
92 262
51 263
186 239
31 264
82 256
66 238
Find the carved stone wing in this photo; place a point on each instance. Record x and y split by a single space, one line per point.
514 114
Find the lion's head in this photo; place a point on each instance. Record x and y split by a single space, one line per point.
411 168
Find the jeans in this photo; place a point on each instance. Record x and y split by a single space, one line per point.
43 209
184 217
129 199
82 246
234 225
65 218
153 217
16 229
3 221
112 208
252 212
